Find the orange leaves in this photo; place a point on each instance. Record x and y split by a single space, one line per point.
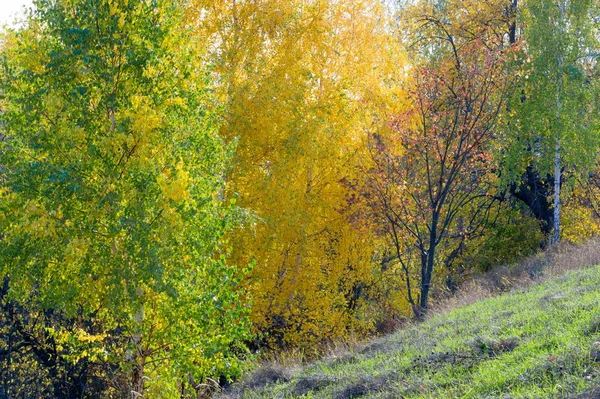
430 167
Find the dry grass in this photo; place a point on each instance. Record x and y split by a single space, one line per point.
533 270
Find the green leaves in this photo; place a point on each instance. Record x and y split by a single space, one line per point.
553 97
110 193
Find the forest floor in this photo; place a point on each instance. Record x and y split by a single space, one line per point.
541 340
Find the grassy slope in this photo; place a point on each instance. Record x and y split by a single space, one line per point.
535 343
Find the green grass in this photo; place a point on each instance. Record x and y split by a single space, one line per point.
534 343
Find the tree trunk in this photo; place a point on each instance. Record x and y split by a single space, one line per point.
557 158
137 379
139 358
512 30
557 178
535 192
417 306
426 281
427 264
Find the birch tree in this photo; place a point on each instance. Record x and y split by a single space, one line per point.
553 129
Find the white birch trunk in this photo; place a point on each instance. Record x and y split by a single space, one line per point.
557 178
557 130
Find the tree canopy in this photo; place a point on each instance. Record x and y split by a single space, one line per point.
187 185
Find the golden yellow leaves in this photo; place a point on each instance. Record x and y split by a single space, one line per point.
176 102
34 61
175 187
83 336
144 118
90 346
303 85
579 223
115 8
152 71
25 49
142 142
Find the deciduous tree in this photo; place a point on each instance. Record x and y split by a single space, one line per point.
552 125
430 185
301 81
109 200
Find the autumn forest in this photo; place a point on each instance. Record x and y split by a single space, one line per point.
190 186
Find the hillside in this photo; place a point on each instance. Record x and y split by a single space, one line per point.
534 343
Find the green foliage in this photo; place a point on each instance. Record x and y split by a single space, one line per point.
554 96
506 240
110 197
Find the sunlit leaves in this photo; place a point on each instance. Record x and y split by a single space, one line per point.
113 170
302 82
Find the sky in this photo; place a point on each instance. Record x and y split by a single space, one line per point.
10 8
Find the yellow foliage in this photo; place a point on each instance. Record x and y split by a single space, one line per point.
303 82
175 188
579 223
